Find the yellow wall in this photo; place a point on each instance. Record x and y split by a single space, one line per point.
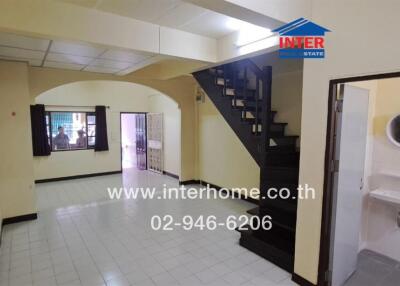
17 196
356 46
386 156
20 85
121 97
223 160
172 131
387 104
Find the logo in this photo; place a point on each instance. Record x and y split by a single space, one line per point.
301 39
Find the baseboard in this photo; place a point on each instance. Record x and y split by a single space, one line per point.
171 175
301 281
16 219
77 177
189 182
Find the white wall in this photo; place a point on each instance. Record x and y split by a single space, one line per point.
172 131
121 97
359 44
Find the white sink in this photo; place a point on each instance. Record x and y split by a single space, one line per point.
388 196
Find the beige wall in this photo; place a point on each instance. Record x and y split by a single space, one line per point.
17 195
172 131
121 97
356 46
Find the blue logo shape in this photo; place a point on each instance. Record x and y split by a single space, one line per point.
301 39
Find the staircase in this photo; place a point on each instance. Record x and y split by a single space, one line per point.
241 91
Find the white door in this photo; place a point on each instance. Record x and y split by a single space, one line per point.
350 151
155 152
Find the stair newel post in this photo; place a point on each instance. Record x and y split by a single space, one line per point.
234 84
245 82
257 97
225 78
267 94
244 88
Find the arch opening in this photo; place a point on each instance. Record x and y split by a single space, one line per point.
120 97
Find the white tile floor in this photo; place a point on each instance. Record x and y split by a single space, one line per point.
83 238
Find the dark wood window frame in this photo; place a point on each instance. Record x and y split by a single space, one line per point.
49 127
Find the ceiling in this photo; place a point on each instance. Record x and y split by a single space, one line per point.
170 13
68 55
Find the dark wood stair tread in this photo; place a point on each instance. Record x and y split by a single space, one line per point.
276 250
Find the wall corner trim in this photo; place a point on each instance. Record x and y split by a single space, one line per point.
301 281
171 175
190 182
1 230
16 219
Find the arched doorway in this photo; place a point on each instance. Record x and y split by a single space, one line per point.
119 97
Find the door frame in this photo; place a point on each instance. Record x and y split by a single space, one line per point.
120 131
328 189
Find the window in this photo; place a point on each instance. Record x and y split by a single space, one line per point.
69 130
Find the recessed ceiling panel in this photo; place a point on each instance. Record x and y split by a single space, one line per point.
100 69
76 49
209 24
175 14
21 53
180 15
110 64
65 58
34 63
58 65
84 3
17 41
145 10
123 56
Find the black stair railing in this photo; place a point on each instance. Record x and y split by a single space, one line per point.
267 90
247 109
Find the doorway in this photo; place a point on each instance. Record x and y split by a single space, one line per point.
349 256
133 140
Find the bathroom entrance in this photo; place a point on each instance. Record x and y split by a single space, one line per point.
133 141
361 204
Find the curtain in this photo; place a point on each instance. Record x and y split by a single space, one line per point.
40 140
101 143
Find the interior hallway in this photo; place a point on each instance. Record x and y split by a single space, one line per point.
83 238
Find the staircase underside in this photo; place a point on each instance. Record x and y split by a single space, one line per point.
251 118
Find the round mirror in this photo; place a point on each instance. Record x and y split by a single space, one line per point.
393 130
